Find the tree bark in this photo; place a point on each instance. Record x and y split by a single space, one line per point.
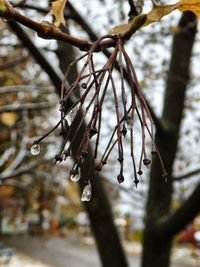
156 246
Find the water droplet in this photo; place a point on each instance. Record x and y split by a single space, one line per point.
129 123
35 149
75 177
87 192
71 115
92 132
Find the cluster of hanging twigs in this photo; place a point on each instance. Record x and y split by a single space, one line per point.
94 84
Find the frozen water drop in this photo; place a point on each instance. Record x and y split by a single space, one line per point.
75 177
87 193
129 123
35 149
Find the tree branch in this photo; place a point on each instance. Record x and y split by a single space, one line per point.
187 175
22 170
181 217
25 88
48 31
26 106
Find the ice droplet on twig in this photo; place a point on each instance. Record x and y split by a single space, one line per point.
75 177
129 123
87 192
35 149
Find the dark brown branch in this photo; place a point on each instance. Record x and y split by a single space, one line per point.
49 31
184 215
187 175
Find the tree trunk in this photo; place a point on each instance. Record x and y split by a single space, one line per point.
156 244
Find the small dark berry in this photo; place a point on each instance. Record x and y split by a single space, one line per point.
84 85
146 162
140 172
84 153
124 131
58 158
120 159
120 178
98 168
136 182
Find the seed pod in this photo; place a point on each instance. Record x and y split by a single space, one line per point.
84 85
120 178
146 162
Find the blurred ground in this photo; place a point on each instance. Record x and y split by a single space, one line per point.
59 252
21 260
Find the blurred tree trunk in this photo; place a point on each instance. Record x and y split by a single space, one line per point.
157 241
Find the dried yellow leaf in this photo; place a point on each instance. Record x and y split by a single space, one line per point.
191 5
57 11
155 15
9 118
120 29
158 12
